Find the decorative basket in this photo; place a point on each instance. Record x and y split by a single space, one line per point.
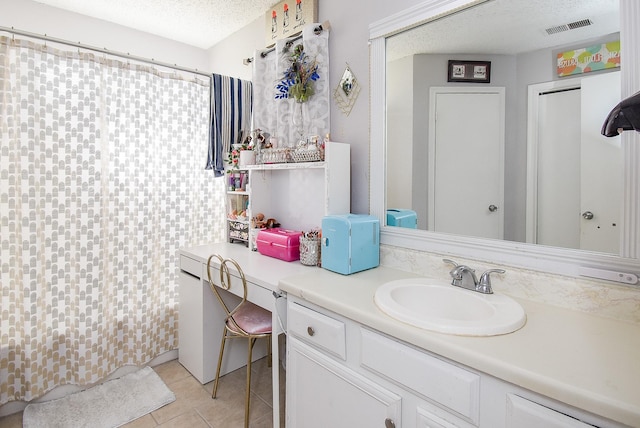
307 155
273 156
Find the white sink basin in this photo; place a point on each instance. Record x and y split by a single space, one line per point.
449 309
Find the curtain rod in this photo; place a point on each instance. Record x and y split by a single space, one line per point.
102 50
317 31
263 54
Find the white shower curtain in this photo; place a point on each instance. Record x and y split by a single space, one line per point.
101 182
284 118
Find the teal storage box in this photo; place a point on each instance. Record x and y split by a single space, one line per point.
402 218
350 243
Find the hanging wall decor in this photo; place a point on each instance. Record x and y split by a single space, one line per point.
347 91
287 114
593 58
288 17
298 79
469 71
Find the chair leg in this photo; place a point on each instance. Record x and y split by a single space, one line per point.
215 384
247 402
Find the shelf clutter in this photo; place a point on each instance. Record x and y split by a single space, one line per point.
309 183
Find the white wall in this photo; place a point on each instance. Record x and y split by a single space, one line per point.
400 152
28 15
348 44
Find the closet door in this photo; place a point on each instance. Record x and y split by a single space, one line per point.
601 173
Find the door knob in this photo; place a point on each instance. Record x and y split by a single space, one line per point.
389 423
587 215
493 208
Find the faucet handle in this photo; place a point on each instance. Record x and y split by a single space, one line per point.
484 284
451 262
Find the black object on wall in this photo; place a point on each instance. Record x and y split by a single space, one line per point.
624 117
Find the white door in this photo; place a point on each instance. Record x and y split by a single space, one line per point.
559 169
601 174
579 174
466 169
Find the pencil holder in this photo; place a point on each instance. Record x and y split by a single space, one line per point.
309 251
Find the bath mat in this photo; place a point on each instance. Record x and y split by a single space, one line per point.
108 405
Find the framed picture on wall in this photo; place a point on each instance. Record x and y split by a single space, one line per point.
469 71
288 17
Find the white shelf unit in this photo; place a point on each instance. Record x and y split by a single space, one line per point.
297 195
237 202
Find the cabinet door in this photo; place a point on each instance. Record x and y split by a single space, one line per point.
190 326
323 393
428 419
523 413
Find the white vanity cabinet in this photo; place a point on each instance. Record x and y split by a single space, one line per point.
522 413
201 322
343 374
296 195
340 374
322 391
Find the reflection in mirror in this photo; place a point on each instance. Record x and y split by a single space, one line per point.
347 91
346 82
520 158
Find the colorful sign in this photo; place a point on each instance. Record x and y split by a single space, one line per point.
593 58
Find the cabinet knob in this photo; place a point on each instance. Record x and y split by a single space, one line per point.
388 423
310 331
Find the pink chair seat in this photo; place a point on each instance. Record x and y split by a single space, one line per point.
251 318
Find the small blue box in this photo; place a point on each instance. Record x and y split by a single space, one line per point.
350 243
402 218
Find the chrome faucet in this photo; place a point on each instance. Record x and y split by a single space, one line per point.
459 273
465 277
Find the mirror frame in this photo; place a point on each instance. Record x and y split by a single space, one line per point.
529 256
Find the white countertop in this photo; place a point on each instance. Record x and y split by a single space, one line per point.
261 270
586 361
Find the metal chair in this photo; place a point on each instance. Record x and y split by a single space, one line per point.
246 321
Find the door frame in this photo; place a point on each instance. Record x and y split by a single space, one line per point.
431 144
533 106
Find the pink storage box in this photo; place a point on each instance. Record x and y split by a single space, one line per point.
282 244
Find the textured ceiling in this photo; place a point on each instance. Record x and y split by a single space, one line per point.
508 27
200 23
498 26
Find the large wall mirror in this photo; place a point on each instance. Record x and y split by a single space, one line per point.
484 168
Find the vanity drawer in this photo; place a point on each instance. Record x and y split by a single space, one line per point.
445 384
191 266
316 328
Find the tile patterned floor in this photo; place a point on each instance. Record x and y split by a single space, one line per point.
194 407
